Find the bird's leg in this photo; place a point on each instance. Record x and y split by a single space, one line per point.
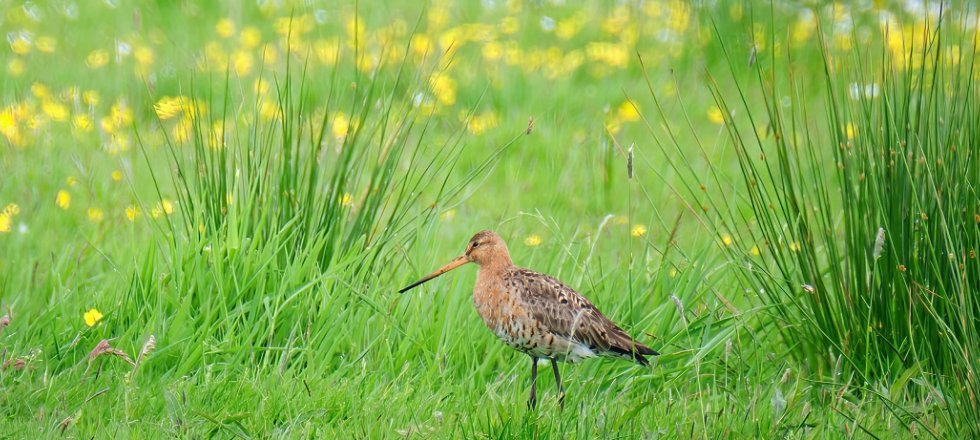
533 402
561 390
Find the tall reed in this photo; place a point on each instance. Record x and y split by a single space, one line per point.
858 219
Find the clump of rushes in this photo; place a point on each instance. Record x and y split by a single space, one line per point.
284 219
869 203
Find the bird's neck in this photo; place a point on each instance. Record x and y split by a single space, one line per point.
496 266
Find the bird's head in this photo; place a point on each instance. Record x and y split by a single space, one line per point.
486 248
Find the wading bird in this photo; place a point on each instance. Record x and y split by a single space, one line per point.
538 315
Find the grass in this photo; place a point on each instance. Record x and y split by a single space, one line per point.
250 193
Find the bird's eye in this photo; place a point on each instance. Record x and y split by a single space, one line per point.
475 244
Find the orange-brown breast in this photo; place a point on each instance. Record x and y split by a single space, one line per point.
506 315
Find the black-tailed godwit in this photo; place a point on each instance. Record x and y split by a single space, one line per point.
538 315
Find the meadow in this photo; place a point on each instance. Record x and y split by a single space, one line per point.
206 210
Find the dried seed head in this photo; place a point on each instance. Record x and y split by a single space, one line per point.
879 243
121 355
148 347
65 424
680 308
778 402
629 163
105 348
100 349
17 364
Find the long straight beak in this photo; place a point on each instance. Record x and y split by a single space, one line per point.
459 261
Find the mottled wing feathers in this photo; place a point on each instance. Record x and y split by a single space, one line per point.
565 312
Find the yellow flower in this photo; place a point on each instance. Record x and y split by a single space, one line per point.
421 44
71 181
97 59
144 56
269 111
509 25
804 27
40 90
182 131
167 107
715 115
339 126
347 199
492 51
108 125
20 46
91 317
117 175
82 123
849 130
269 54
63 199
7 216
132 212
16 67
532 240
121 114
90 97
250 37
755 251
481 123
8 123
118 144
225 28
217 139
444 88
261 86
795 246
242 62
638 231
302 24
608 54
448 215
736 11
54 110
727 240
438 17
567 28
46 44
95 214
165 207
672 272
628 112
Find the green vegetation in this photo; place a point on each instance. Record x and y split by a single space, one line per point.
207 210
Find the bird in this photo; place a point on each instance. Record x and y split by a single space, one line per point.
538 315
